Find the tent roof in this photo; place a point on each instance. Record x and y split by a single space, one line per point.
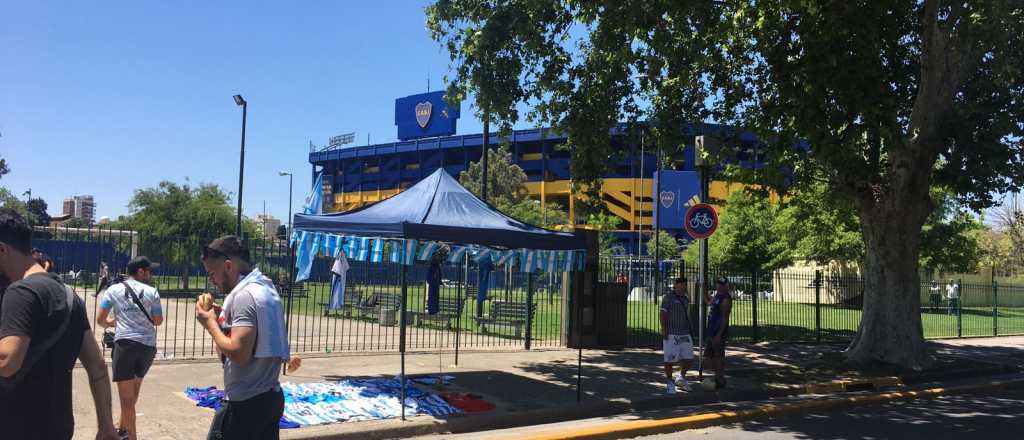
438 208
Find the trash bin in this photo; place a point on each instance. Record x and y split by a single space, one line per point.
388 317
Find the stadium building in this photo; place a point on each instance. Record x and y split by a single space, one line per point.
358 175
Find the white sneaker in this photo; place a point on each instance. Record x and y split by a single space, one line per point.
685 385
670 388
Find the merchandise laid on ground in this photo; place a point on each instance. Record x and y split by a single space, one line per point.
321 403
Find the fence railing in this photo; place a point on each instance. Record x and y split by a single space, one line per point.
497 319
793 305
518 311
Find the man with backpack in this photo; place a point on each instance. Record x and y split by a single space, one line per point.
137 313
43 329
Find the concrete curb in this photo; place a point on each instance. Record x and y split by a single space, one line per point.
650 427
424 425
472 423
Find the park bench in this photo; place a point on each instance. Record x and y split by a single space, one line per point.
353 300
449 308
504 314
378 302
296 289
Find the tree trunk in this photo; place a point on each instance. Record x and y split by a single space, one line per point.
890 328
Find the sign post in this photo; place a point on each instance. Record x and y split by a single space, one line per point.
701 221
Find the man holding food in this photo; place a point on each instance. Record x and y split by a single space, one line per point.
251 338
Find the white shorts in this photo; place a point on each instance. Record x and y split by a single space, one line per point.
678 348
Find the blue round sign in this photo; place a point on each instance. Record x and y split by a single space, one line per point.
701 220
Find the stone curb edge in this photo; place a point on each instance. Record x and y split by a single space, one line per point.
650 427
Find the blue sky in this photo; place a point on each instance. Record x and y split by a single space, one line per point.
106 100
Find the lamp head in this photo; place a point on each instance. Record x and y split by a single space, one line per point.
239 100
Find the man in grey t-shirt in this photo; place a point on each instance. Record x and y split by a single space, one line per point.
675 333
252 340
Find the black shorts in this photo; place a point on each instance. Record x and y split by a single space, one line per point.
712 350
257 417
131 359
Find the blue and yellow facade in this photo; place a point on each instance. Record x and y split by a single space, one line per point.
356 176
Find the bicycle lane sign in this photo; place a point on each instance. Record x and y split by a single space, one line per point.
701 221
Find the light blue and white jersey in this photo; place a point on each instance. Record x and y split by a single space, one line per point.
131 322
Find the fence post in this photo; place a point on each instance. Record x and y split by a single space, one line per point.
995 308
817 305
959 307
753 308
529 309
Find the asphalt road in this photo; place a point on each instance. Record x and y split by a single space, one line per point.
983 417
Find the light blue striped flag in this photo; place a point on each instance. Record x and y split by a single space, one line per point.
506 258
550 266
457 254
305 248
364 249
427 251
377 255
410 252
569 255
480 253
396 250
526 260
331 245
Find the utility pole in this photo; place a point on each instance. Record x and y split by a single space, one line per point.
486 148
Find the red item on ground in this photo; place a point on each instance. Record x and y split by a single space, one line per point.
468 402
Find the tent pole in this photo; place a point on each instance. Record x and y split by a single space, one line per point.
463 284
401 333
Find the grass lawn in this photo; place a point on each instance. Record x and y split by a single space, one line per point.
796 321
546 324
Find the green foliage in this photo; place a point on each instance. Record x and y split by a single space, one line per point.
668 246
37 212
10 201
529 211
604 223
506 182
950 237
821 226
76 222
174 220
753 235
3 167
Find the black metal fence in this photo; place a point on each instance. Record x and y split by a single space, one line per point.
793 305
497 319
518 311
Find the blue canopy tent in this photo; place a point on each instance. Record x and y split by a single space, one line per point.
438 210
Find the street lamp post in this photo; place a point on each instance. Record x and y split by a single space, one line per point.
241 165
282 174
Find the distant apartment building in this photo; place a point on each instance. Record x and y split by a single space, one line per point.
266 226
83 207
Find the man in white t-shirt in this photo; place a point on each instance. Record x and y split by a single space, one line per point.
953 297
137 313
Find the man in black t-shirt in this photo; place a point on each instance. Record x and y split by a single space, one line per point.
35 367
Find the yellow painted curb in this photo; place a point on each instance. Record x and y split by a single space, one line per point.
648 427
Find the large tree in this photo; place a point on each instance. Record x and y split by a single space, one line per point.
174 220
893 96
506 189
37 211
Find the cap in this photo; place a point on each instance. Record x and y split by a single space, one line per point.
228 246
141 262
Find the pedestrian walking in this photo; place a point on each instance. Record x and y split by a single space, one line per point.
104 275
718 328
252 339
675 334
952 297
43 330
934 295
136 315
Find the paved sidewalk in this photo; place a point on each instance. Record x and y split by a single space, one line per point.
523 383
